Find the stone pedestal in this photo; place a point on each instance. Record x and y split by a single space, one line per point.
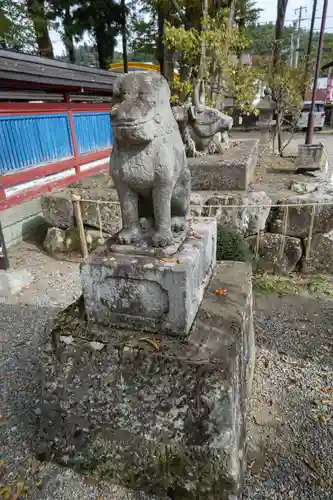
157 413
144 289
232 170
310 156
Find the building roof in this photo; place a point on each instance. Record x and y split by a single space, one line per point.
34 72
321 95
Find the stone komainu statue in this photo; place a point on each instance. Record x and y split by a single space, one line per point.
148 164
204 130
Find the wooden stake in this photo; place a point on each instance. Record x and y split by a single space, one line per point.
285 227
79 222
308 245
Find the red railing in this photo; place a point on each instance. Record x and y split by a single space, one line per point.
16 178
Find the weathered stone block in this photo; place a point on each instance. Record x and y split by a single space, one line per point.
320 258
68 240
57 209
269 252
231 170
160 414
249 215
146 292
108 214
299 217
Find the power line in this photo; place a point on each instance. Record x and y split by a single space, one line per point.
304 19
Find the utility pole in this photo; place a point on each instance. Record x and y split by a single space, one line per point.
292 46
308 54
124 35
300 19
311 121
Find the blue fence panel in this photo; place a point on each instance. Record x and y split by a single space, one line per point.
32 140
93 131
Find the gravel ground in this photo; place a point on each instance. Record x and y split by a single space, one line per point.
22 324
291 420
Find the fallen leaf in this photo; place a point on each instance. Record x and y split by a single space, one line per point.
168 259
39 483
19 490
323 419
221 291
5 493
326 401
151 342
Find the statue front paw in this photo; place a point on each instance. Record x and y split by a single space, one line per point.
127 236
162 239
179 224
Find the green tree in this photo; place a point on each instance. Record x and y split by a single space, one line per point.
246 13
222 73
16 29
103 19
64 11
38 13
287 87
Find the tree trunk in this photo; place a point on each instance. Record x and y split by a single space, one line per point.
279 131
160 44
36 11
124 36
281 15
68 37
105 46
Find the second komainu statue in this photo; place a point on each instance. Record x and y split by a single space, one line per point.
204 130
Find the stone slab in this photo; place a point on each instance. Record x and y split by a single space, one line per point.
13 280
232 170
166 415
147 293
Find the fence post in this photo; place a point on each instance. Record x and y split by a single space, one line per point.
285 227
79 222
308 245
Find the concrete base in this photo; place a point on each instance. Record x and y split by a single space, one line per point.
22 221
160 414
12 281
310 156
149 293
232 170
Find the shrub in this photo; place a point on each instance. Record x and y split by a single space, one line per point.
231 245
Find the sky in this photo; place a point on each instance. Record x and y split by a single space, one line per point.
269 12
268 15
